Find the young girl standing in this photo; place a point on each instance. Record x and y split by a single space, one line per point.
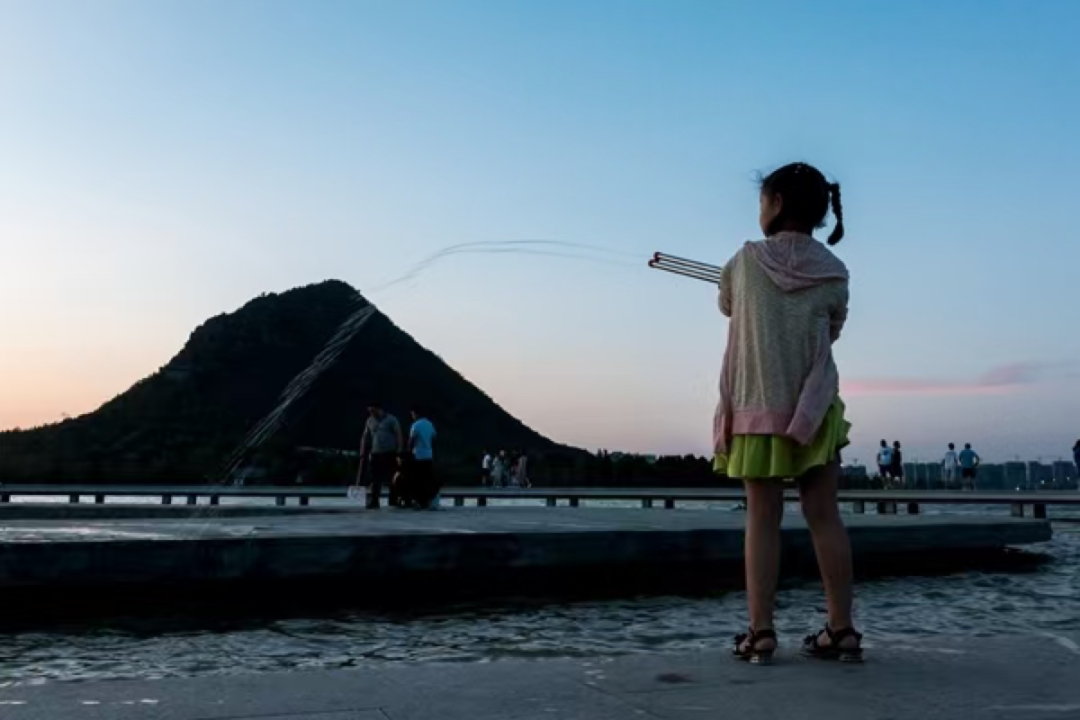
780 417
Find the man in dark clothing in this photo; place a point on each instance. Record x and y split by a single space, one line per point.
896 467
380 445
969 466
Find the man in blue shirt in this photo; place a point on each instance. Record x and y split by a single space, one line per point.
422 472
969 464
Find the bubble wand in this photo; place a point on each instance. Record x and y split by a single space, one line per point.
687 268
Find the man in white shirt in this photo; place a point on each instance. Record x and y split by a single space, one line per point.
485 468
422 473
950 466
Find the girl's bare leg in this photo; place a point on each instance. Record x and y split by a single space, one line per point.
817 492
764 512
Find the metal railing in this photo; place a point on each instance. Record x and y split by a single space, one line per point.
885 501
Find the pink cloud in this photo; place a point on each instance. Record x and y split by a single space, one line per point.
996 380
1015 374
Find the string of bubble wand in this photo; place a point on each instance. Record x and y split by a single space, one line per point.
365 309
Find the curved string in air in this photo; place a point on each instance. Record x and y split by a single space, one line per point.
547 248
347 330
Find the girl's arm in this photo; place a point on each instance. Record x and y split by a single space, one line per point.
838 315
725 289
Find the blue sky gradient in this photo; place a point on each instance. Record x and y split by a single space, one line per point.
161 162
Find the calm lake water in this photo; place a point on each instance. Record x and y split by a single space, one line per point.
1043 603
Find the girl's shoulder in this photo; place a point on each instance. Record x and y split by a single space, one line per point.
743 250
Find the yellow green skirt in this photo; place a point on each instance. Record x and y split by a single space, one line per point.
762 457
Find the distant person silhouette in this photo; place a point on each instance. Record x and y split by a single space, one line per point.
422 444
380 445
896 467
884 463
950 466
519 476
1076 462
969 466
485 468
523 471
498 470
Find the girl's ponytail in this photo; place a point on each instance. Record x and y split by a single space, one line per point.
838 212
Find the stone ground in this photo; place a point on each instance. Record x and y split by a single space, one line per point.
1009 678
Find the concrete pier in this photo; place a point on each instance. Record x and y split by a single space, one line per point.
936 678
469 544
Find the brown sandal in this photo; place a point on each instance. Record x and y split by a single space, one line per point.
746 646
834 651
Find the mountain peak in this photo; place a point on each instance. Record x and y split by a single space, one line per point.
181 423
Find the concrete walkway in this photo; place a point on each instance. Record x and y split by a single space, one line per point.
207 546
1007 678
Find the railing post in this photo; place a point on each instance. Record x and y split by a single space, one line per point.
99 499
646 503
279 501
481 501
1039 511
215 499
5 498
192 499
574 502
1017 510
669 503
166 499
858 507
305 501
73 498
552 502
913 508
459 501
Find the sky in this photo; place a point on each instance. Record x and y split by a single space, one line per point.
163 162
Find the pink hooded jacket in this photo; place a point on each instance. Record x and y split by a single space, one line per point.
787 299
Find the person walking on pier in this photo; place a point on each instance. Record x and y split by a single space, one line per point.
780 416
380 445
950 465
884 463
499 470
519 471
896 466
1076 461
485 468
969 466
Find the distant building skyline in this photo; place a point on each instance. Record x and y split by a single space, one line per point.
1007 476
